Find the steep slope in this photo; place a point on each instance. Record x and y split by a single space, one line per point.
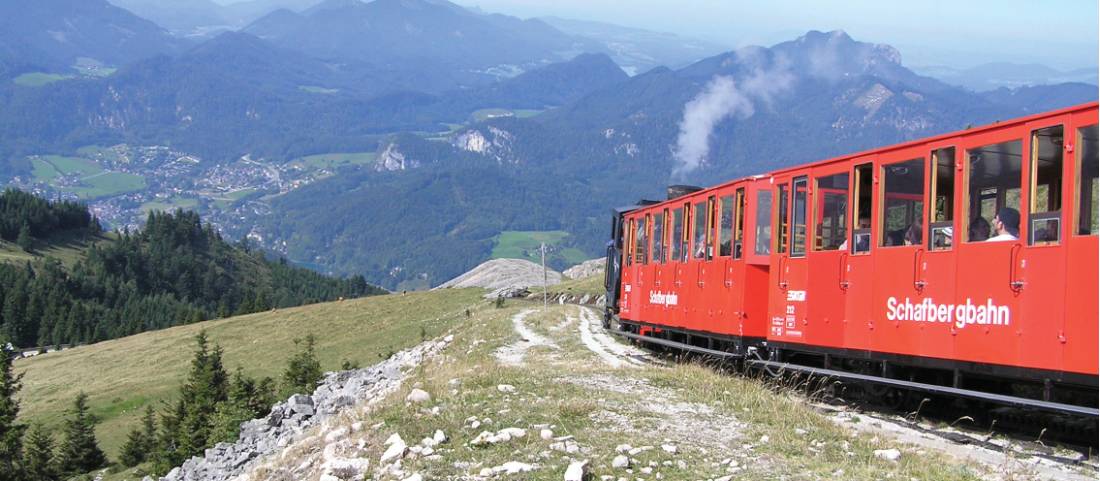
147 368
53 35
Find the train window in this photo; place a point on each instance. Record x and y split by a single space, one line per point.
699 245
861 212
798 239
628 250
739 224
1045 218
677 238
903 203
640 245
781 236
712 224
1087 161
830 231
725 231
763 223
993 184
658 254
941 235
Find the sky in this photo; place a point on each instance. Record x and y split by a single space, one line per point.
1058 33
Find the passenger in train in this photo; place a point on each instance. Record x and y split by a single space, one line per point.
913 234
1007 225
979 229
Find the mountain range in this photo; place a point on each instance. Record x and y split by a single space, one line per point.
402 154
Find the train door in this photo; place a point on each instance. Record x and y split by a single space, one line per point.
789 316
699 254
827 257
626 302
1040 270
936 272
657 253
756 260
711 289
900 252
730 289
1080 331
674 274
858 279
984 317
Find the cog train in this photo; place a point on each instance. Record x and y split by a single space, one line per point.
962 265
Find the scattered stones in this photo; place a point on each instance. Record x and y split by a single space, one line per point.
396 449
888 454
506 388
669 448
576 471
622 448
620 462
502 436
418 396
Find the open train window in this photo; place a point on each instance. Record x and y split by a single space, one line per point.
712 225
640 245
763 223
830 228
739 224
725 230
861 211
1045 219
798 238
903 203
782 225
699 245
628 249
658 254
1086 180
993 183
677 239
941 231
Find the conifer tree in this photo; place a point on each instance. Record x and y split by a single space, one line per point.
80 451
11 432
39 462
303 371
24 239
207 386
141 442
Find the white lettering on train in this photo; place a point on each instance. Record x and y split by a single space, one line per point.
661 299
958 314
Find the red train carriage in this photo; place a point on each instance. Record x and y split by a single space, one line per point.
964 264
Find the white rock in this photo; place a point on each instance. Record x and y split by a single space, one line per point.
394 438
622 448
513 467
357 426
439 437
428 442
800 431
414 477
506 388
888 454
724 478
620 462
395 451
669 448
764 439
336 434
427 451
328 477
486 437
514 433
449 338
576 471
418 396
647 470
546 434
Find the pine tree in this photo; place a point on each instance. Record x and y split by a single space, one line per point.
207 386
25 240
80 451
39 463
141 442
303 371
11 432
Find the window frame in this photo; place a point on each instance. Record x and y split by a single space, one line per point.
1002 194
883 204
782 223
866 168
934 190
806 213
737 242
1078 162
820 195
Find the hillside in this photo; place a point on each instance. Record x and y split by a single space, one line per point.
521 391
146 369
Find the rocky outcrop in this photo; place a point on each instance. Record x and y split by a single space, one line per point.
587 268
289 419
570 298
501 273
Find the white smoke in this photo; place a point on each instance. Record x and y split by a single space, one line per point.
722 97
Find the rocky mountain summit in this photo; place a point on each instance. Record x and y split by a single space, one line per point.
496 274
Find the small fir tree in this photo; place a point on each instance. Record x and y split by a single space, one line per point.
80 451
11 432
303 371
25 241
141 442
39 463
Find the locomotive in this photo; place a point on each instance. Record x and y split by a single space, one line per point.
961 265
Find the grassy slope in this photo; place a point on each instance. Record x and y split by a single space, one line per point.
67 249
525 245
124 375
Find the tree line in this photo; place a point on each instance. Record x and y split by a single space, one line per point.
175 270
